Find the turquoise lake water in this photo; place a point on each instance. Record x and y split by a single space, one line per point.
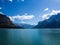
29 36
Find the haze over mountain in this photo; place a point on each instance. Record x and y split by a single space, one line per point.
52 22
26 26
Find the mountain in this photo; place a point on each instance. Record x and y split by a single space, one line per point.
5 22
24 25
52 22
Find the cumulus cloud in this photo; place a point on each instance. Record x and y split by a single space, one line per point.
46 9
47 16
11 0
21 17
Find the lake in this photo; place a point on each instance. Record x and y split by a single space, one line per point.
29 36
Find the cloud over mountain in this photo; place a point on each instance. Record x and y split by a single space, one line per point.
21 17
47 16
52 22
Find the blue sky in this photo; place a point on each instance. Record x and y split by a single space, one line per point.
29 11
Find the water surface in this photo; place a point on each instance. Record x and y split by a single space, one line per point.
29 36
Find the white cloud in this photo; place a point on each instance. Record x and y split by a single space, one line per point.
17 0
46 9
11 0
23 17
22 0
0 8
47 16
11 18
54 12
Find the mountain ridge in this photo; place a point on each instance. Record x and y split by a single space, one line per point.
5 22
52 22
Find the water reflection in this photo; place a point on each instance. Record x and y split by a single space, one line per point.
29 37
50 37
4 37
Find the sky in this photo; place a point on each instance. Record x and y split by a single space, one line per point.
29 11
